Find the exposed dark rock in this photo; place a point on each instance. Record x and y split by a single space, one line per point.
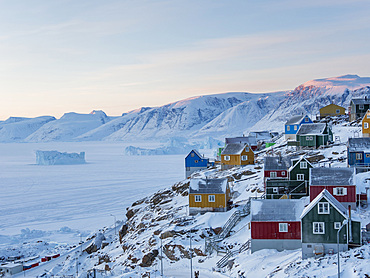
149 258
122 232
131 213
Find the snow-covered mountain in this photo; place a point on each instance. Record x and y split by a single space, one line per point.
218 115
17 129
68 127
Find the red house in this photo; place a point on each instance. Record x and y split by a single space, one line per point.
276 167
340 182
275 224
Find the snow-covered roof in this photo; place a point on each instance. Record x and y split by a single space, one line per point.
361 101
311 129
332 176
334 202
234 148
197 153
250 140
295 120
277 209
277 163
359 144
260 135
296 160
207 186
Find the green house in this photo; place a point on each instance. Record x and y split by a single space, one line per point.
320 222
300 170
296 186
314 135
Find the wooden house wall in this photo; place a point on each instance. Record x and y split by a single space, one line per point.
279 173
330 235
330 110
236 159
297 170
349 198
366 119
220 201
270 230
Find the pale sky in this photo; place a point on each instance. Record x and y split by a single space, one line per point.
79 55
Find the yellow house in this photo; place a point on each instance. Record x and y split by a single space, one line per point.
332 110
366 124
208 195
236 154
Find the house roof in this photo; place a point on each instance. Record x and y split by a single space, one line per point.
332 104
196 152
277 163
250 140
295 161
260 135
234 148
207 186
295 120
311 129
332 176
359 144
334 202
276 209
360 101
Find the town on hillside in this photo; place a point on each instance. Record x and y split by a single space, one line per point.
305 203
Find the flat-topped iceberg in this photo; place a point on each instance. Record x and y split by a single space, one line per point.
58 158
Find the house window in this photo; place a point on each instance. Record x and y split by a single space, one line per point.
227 157
340 191
196 161
295 127
361 107
288 128
275 190
309 138
192 155
366 125
368 115
247 149
300 177
283 173
303 165
273 174
306 119
337 225
198 198
211 198
358 156
337 111
283 227
367 155
323 208
244 157
319 228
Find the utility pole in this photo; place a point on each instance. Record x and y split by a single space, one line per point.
115 221
344 224
161 258
191 258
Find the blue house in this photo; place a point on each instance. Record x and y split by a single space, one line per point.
358 152
194 161
293 124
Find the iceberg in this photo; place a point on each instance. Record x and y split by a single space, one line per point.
58 158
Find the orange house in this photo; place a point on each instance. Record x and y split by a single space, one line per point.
236 154
366 124
208 195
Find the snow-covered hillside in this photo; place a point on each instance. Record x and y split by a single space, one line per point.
161 219
218 115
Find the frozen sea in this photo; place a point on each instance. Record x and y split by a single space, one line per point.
78 197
